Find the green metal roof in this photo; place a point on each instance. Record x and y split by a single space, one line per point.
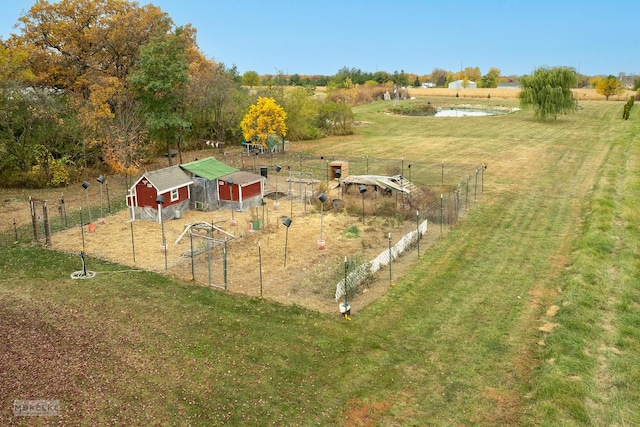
208 168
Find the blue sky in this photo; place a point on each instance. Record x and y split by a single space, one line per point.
321 37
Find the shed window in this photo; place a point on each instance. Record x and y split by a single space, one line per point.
174 195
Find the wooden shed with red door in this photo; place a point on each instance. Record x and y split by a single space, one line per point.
172 183
241 190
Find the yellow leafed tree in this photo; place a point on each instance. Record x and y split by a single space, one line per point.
264 119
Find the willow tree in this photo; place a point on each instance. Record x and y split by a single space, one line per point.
265 118
548 92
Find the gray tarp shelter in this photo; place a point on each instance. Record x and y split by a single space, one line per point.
205 174
396 183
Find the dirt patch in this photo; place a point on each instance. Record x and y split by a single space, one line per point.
548 327
365 414
508 407
553 310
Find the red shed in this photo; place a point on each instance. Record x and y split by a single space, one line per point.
172 183
246 190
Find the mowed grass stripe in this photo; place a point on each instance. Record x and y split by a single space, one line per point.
463 308
589 373
459 313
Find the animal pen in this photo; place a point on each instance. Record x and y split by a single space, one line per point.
248 256
210 256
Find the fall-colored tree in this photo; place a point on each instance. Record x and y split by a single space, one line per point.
14 68
469 74
473 74
348 94
250 78
85 50
439 76
263 119
491 79
451 77
215 102
37 130
73 44
123 149
593 81
609 85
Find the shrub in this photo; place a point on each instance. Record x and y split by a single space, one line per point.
414 109
60 176
352 232
626 112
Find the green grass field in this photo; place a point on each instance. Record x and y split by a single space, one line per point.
526 313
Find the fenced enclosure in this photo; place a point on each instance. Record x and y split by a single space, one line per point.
443 193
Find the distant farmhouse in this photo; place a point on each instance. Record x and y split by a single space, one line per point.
628 81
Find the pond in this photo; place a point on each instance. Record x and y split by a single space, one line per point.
464 113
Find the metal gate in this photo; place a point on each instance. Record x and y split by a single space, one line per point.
208 260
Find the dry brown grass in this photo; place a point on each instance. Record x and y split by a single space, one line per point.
583 94
306 280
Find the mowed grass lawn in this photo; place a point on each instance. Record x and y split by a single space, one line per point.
526 313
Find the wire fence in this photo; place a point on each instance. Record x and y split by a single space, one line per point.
65 209
362 272
61 216
446 192
433 174
438 207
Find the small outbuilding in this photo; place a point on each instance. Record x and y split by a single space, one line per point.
240 190
205 174
338 169
172 183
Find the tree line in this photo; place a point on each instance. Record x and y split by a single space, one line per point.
438 76
109 83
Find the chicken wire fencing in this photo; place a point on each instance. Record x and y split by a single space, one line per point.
208 257
319 167
453 189
358 275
